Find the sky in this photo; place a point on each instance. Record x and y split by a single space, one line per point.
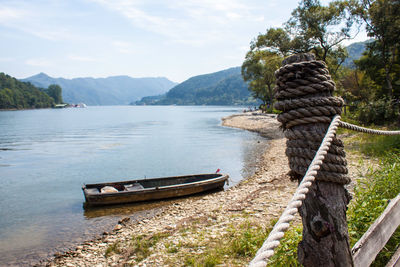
176 39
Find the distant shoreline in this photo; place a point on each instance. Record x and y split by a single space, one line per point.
20 109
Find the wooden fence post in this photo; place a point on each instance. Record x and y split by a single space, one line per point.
304 94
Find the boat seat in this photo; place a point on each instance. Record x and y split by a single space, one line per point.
92 190
109 189
133 187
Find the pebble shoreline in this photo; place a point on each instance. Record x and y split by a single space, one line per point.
261 198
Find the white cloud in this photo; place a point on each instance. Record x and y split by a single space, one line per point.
38 62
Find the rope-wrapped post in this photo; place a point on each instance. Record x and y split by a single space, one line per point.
304 93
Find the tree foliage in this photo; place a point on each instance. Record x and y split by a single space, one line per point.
312 28
259 70
55 92
372 86
21 95
381 62
322 28
379 67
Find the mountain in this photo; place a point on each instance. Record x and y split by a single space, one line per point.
115 90
224 87
355 51
20 95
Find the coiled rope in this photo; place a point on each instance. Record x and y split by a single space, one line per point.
304 95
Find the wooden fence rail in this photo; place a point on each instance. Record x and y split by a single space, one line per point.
376 237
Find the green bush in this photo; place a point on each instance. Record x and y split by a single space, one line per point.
286 253
377 112
247 240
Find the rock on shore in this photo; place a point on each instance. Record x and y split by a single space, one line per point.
188 226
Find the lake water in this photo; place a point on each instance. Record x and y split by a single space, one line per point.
46 156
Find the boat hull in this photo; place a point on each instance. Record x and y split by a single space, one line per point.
155 189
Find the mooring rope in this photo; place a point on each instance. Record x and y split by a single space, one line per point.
353 127
267 249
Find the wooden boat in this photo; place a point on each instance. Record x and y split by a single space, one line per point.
151 189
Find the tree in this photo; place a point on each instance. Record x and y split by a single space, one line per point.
322 28
312 27
259 70
55 92
6 99
382 21
359 88
278 40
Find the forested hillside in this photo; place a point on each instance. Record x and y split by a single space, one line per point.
21 95
225 87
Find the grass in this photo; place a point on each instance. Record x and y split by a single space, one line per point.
245 240
209 259
286 252
239 244
112 249
380 146
371 198
141 245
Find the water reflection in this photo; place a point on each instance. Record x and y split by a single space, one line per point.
91 212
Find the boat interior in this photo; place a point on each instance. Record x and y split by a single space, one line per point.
138 185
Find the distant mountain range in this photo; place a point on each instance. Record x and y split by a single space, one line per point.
116 90
224 87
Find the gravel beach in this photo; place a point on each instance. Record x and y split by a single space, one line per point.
189 226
